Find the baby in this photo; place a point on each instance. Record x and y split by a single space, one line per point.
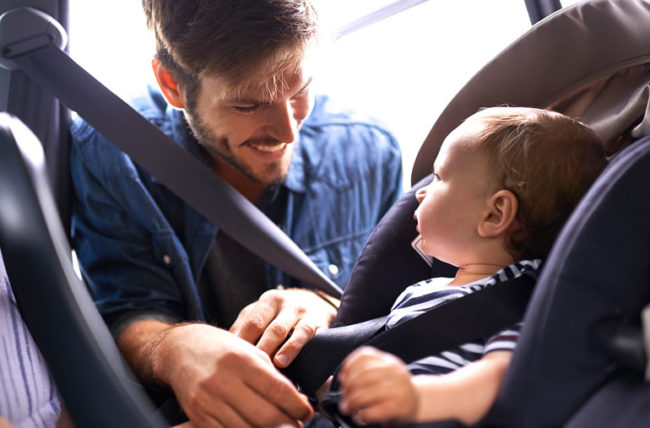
504 182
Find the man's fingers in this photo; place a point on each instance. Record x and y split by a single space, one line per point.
206 407
236 326
243 407
281 393
278 330
302 333
253 320
247 392
282 322
261 410
217 414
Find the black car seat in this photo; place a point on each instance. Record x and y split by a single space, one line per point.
42 112
590 61
603 80
97 386
594 287
569 368
599 78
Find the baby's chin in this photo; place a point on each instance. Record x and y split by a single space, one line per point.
426 249
431 252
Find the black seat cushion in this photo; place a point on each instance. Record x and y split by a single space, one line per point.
596 279
387 264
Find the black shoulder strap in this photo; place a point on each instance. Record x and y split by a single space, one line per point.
152 150
458 321
444 327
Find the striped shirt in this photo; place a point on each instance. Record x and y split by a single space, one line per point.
28 397
428 294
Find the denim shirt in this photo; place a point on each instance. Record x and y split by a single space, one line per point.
141 248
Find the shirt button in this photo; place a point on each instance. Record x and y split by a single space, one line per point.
166 259
279 287
333 269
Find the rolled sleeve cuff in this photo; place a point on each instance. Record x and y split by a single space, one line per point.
123 322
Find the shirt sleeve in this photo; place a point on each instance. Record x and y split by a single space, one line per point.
393 186
118 233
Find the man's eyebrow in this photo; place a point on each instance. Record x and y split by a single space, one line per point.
250 100
305 86
246 101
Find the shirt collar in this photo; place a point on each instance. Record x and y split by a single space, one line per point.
296 178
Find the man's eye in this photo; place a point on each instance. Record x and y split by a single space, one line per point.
245 109
302 94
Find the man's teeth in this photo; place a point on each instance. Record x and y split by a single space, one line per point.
268 148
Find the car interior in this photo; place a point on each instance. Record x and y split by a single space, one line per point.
581 360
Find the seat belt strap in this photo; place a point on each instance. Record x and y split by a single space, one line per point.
447 326
177 169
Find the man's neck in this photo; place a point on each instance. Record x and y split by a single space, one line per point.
250 189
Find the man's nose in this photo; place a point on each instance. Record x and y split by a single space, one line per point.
282 124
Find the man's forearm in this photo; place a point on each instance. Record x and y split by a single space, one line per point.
140 346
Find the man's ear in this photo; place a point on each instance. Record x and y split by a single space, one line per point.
499 215
168 84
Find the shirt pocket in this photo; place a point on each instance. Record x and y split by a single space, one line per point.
337 258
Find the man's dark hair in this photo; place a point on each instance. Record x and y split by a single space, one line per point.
229 38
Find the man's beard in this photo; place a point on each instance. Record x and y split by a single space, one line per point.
219 147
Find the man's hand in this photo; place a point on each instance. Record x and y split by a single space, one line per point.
377 387
219 379
281 322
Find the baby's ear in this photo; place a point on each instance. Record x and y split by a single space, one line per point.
499 215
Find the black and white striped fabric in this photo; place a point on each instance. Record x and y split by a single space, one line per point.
427 294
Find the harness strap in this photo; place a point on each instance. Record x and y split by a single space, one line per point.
444 327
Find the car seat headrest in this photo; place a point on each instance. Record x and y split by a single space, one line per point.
596 47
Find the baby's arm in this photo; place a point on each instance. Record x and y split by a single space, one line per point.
377 387
466 394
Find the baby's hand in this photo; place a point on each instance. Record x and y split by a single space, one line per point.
377 387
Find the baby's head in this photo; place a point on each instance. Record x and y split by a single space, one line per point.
507 178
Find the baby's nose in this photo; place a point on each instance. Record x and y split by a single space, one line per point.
420 194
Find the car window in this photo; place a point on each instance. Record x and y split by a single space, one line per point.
403 69
406 68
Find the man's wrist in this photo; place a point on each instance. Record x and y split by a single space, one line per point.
122 322
159 359
330 300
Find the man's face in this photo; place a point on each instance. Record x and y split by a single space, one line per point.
250 133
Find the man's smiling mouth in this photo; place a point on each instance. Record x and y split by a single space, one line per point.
269 148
